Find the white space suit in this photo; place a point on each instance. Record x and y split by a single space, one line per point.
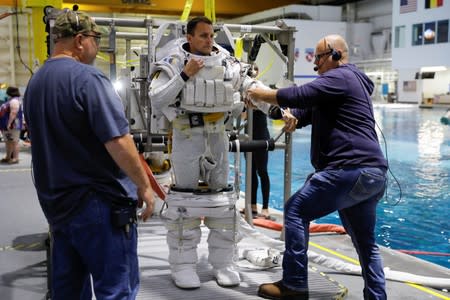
197 110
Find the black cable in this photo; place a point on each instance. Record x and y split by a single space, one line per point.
18 39
385 148
389 169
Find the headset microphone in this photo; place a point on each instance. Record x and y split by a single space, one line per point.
316 68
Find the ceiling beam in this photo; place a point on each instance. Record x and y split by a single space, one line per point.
224 8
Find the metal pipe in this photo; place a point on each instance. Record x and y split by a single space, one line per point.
280 145
254 28
279 135
128 22
120 22
131 35
248 171
12 66
112 53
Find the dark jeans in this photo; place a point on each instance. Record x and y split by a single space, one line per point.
89 244
354 193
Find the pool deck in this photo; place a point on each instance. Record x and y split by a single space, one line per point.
23 256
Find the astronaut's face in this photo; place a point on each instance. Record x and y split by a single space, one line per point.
201 42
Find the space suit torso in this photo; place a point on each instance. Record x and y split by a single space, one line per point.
197 109
215 88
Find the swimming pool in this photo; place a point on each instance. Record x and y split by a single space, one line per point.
418 148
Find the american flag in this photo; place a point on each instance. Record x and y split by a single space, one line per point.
407 6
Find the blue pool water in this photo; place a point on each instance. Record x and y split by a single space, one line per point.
418 148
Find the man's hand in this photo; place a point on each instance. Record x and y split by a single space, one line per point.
124 153
146 196
289 119
262 94
253 94
193 66
249 104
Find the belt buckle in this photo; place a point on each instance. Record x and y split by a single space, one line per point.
196 120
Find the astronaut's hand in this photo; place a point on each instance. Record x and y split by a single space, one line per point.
193 66
289 120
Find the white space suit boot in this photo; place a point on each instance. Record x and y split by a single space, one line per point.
227 276
185 276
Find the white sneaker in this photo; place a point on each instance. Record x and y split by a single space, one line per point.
227 276
185 276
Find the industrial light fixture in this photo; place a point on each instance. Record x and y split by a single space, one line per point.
375 74
433 69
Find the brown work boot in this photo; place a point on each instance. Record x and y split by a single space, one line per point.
277 291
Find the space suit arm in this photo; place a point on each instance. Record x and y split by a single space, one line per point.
250 83
164 89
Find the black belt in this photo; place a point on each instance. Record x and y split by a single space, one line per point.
202 191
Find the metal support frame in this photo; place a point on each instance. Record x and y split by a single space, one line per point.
284 34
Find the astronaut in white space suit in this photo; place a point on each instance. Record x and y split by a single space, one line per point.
196 88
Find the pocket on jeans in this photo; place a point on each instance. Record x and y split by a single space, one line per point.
368 185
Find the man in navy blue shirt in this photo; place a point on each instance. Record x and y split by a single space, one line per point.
350 169
87 170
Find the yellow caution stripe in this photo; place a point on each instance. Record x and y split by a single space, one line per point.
356 262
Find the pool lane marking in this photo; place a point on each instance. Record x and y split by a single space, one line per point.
356 262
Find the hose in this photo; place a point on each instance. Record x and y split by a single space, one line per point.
343 267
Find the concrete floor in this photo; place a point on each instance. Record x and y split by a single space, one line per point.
23 256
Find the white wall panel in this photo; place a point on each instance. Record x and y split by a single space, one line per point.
424 55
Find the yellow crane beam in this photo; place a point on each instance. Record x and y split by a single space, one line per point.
223 8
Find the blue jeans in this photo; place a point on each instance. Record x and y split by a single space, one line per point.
354 193
89 244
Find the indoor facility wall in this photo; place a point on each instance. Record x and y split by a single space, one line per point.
14 40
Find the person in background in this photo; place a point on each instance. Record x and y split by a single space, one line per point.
11 124
350 169
86 168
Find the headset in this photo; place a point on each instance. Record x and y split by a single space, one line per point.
335 55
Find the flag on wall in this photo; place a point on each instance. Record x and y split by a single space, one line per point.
407 6
433 3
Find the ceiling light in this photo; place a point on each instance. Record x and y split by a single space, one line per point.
433 69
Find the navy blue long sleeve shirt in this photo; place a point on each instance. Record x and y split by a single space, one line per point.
337 104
